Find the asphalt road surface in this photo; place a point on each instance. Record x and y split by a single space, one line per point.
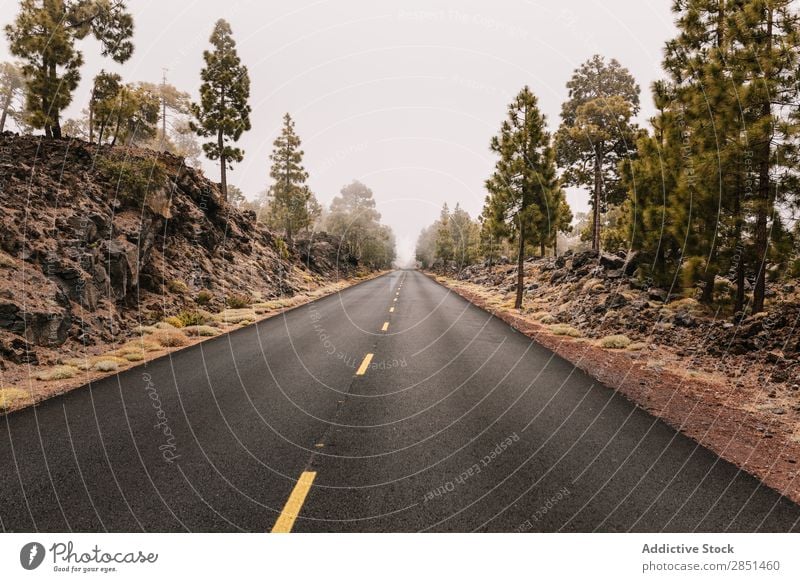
454 423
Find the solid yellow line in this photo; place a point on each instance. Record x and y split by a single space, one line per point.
295 502
385 326
391 310
362 369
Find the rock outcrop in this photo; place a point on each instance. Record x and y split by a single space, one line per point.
83 261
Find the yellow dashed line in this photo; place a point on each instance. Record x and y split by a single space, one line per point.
295 502
385 326
362 369
391 310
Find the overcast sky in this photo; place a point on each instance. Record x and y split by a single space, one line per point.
402 99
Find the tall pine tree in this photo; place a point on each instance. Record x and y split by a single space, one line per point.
290 196
523 200
765 40
223 112
597 133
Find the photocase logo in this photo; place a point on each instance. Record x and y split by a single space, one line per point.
31 555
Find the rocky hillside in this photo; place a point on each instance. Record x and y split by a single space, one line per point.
95 242
599 295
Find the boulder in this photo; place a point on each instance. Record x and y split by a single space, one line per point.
611 262
18 351
582 258
656 294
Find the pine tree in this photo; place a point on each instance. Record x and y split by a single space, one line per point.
102 99
444 237
765 39
705 189
223 112
43 36
464 233
597 133
353 218
523 201
289 195
12 84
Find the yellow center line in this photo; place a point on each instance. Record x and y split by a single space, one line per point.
391 310
385 326
395 298
362 369
295 502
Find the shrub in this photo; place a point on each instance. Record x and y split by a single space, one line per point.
238 301
281 248
204 297
177 286
56 373
547 319
562 329
170 339
615 342
13 397
134 178
636 346
174 321
80 363
134 356
106 366
188 318
230 316
201 330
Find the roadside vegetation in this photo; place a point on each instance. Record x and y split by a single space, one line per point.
706 195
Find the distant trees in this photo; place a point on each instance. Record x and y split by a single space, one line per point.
453 239
525 197
223 112
43 36
354 219
12 85
597 133
292 205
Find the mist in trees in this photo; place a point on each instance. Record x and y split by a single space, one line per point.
12 92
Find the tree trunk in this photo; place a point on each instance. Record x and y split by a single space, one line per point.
222 165
598 184
53 113
116 131
101 131
707 296
91 119
764 204
738 304
6 105
520 266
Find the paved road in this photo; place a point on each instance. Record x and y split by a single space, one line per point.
458 424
